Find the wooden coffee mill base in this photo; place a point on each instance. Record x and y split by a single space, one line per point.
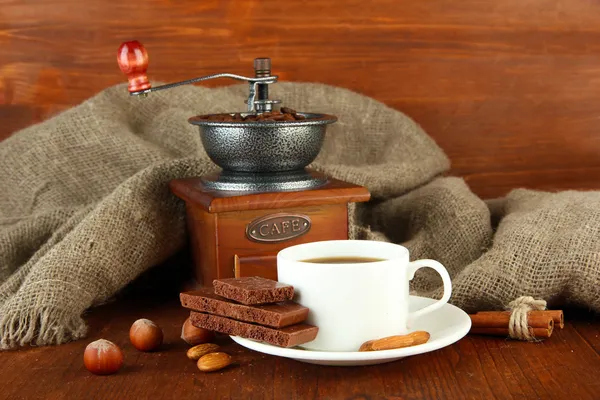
236 234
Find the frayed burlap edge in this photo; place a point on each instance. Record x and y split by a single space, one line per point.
39 327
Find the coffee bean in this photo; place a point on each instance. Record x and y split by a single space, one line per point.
287 110
285 114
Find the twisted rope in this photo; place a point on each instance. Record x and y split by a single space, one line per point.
517 326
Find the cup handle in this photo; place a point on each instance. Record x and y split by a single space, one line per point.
412 268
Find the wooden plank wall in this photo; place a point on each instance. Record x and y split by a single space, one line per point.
510 89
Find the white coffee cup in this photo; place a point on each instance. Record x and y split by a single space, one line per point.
355 302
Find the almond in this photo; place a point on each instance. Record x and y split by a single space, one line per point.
396 342
194 353
366 346
214 362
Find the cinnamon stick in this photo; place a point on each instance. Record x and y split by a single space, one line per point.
500 319
537 332
558 317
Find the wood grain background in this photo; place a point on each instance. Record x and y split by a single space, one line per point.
510 89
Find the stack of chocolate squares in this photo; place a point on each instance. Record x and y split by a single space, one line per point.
251 307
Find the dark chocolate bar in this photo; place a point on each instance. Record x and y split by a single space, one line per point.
285 337
277 315
253 290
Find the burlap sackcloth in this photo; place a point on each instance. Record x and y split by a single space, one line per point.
85 207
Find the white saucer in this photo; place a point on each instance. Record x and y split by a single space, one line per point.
446 325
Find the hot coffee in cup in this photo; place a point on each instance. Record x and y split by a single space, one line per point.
356 290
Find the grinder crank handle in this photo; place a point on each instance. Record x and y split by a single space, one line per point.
132 58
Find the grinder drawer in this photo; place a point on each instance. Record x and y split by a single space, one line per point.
257 265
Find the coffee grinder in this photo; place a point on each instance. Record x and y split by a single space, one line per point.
264 198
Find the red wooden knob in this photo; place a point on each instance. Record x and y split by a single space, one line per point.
133 61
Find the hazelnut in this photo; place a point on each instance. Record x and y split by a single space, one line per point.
145 335
103 357
193 335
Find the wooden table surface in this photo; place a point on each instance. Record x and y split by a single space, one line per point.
476 367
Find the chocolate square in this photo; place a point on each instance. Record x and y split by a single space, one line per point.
276 315
253 290
285 337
